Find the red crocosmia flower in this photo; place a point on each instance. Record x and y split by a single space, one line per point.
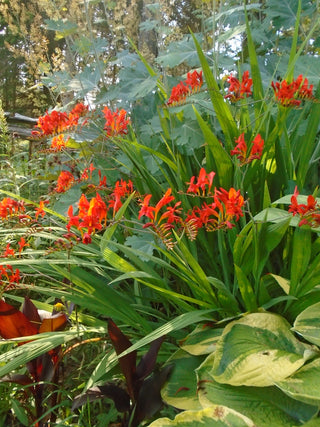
290 94
243 154
303 89
64 182
238 89
97 208
22 244
8 252
178 94
165 200
309 213
172 214
116 122
83 205
86 239
146 210
80 109
58 142
73 219
204 183
10 207
9 279
194 80
40 210
232 200
53 123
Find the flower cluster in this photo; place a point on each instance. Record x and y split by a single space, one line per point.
246 155
309 213
292 94
10 252
64 182
221 211
57 121
116 122
92 215
58 142
9 278
238 89
10 207
192 84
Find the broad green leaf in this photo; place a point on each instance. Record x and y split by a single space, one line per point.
307 324
202 340
213 416
304 385
258 350
180 390
266 406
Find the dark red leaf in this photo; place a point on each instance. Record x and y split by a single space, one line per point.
148 361
17 378
13 323
128 362
31 312
117 394
149 400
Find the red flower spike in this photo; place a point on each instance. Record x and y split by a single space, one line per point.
243 154
116 122
204 183
64 182
40 211
238 89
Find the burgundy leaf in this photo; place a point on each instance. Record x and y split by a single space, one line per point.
148 361
13 323
17 378
117 394
31 312
149 400
127 362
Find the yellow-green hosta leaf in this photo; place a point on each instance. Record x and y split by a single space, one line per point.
180 390
307 324
213 416
304 385
202 340
258 350
265 406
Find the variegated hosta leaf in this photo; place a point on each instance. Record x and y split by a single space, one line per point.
304 385
258 350
202 340
265 406
181 389
212 416
307 324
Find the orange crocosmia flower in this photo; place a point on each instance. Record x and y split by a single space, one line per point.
243 154
238 89
10 207
80 110
178 94
8 252
203 183
58 142
146 210
54 122
64 182
40 211
22 244
97 208
194 80
232 200
116 122
291 94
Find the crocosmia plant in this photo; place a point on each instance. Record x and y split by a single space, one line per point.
166 270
